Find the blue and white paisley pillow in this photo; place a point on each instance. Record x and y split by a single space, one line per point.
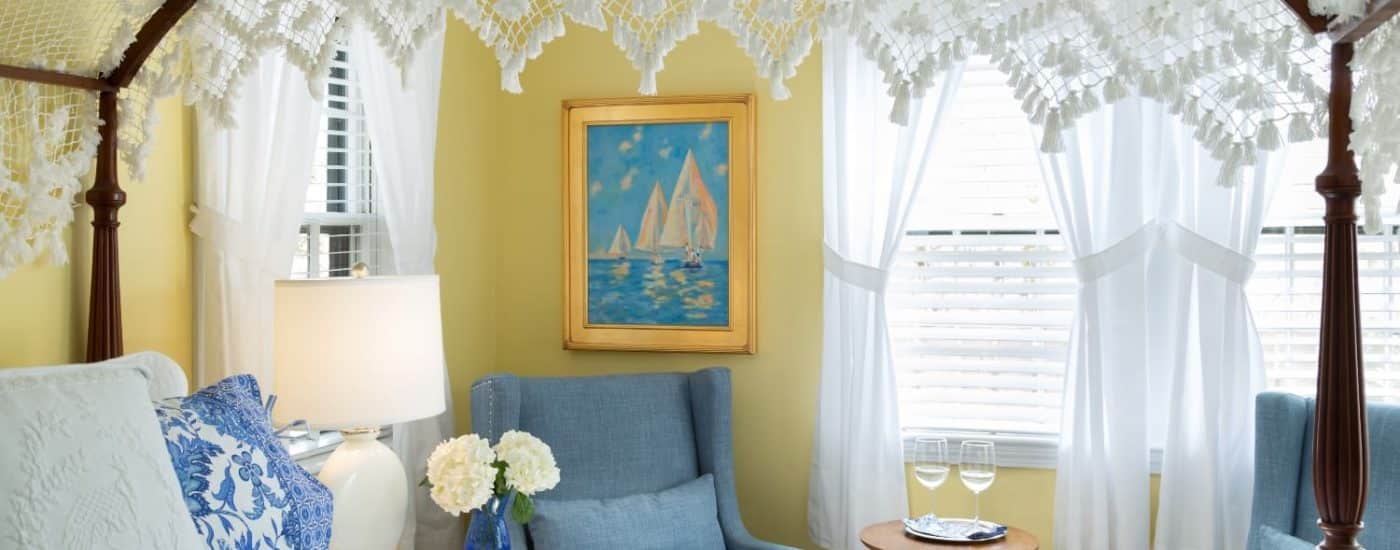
242 488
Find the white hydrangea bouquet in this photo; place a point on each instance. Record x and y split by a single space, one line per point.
466 474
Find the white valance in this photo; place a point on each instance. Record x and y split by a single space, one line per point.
1243 73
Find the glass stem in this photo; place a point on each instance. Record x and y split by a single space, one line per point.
977 510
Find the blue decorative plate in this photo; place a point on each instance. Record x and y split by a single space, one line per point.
938 529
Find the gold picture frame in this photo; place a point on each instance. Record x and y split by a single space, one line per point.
675 177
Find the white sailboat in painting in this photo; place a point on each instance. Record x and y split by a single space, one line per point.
621 245
692 221
653 222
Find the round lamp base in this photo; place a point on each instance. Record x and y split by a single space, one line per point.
370 490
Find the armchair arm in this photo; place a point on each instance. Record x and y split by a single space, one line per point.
711 409
1280 430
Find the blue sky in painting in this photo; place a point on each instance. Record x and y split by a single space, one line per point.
624 161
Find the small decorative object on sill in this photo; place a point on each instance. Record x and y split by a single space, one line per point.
467 475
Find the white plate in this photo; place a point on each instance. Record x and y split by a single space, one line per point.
967 527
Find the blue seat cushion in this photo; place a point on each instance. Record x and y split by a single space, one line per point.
242 488
1273 539
683 517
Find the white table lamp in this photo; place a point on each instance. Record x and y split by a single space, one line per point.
355 354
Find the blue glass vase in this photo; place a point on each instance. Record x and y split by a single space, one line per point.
488 530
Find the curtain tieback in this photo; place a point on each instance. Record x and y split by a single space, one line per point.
1099 264
1188 244
859 274
1219 259
220 231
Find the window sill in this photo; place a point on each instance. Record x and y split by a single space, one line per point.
1013 451
311 453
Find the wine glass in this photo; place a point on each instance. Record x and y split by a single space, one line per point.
931 462
978 469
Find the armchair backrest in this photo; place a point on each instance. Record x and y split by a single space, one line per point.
1283 490
611 435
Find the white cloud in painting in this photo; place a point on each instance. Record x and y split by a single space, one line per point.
637 134
624 147
626 182
595 187
665 152
706 130
721 169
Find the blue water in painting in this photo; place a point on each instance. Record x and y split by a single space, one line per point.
638 292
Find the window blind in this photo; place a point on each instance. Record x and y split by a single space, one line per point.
1285 292
342 225
982 295
981 321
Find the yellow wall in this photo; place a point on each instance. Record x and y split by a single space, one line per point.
36 316
43 315
157 248
467 170
499 247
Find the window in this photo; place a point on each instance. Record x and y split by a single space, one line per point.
342 225
1285 292
982 298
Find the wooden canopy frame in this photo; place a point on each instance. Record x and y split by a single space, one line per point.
106 196
1340 451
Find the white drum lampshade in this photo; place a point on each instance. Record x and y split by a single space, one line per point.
358 353
355 354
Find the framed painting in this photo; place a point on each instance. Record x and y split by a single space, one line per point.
659 224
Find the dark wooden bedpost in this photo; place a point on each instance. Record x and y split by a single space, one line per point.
106 198
1340 446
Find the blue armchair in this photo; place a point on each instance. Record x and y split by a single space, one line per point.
1285 512
614 436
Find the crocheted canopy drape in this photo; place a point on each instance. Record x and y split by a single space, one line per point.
1246 74
1242 72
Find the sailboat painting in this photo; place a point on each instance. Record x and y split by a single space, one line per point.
667 184
659 230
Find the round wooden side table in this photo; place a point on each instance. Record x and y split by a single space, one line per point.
890 536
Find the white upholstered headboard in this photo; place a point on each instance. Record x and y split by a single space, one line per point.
167 379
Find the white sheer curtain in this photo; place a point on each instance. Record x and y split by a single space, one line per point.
1207 474
872 169
401 112
250 190
1163 352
